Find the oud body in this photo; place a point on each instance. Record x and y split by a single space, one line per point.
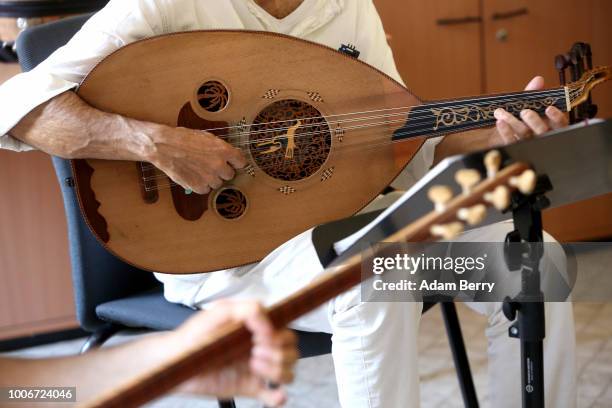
227 79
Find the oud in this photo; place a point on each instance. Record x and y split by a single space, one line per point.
323 133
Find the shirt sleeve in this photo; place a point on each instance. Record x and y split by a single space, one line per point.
378 53
117 24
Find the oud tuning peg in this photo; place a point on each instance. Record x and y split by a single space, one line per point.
440 195
500 197
467 178
473 215
492 162
525 183
447 231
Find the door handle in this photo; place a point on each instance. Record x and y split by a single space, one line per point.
510 14
460 20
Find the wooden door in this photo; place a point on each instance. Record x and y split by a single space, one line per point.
436 45
521 39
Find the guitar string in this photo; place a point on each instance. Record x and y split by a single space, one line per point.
326 131
427 104
341 147
307 134
372 146
362 147
478 102
146 167
271 166
417 114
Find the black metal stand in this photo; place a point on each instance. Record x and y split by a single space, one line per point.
462 364
528 305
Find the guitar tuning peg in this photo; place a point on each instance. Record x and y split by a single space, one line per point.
440 195
447 231
467 178
500 198
473 215
492 162
525 183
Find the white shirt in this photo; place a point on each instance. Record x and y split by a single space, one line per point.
329 22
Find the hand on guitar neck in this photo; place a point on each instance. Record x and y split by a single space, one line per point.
508 130
272 356
196 160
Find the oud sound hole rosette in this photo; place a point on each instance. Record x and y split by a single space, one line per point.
290 140
213 96
230 203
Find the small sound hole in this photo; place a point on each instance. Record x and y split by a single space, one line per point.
213 96
230 203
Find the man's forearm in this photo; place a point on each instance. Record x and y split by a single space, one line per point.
93 373
103 370
68 127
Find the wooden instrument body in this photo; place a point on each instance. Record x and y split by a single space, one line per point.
161 80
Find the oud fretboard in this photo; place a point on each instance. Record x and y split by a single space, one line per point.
452 116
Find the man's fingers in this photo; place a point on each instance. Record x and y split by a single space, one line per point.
236 159
278 355
254 317
535 84
215 183
557 119
506 132
199 188
257 322
534 121
272 397
279 339
519 128
226 172
272 371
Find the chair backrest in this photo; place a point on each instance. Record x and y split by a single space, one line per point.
97 275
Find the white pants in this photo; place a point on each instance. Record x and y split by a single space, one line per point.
375 344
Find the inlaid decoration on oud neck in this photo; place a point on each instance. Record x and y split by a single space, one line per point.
452 116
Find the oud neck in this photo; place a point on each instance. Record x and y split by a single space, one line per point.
439 118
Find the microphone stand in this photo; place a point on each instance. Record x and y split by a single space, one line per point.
524 249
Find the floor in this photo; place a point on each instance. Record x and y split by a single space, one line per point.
438 381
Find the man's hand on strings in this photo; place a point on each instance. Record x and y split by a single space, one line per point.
511 129
196 160
272 357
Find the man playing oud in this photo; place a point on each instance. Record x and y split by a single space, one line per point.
374 344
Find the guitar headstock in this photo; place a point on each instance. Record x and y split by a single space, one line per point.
580 90
478 195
